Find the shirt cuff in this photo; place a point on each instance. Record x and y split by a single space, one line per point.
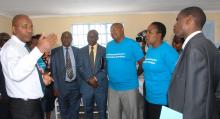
36 53
96 78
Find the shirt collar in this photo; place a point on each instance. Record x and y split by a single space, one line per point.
66 47
94 46
189 37
17 40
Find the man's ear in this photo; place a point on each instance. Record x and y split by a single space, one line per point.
189 19
13 29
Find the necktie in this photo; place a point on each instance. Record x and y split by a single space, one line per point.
69 69
40 68
92 57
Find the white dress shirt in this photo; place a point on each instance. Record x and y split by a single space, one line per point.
189 37
94 50
21 75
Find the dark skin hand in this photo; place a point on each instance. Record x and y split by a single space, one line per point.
47 79
140 69
93 82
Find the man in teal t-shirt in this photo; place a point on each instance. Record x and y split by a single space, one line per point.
122 54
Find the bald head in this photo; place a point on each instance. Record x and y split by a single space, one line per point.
66 33
93 32
17 18
117 32
22 27
118 25
66 39
92 37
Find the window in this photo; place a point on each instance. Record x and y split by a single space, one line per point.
80 31
209 30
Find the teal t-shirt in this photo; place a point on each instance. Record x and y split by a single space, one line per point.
158 67
121 64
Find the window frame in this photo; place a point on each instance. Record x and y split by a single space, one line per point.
104 36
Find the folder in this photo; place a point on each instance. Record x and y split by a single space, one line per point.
167 113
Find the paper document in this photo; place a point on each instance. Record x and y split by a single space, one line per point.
167 113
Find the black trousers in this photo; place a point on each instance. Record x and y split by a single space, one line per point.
152 111
4 108
145 105
218 105
26 109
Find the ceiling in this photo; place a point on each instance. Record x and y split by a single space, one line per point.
36 8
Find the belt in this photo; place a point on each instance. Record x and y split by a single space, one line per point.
26 100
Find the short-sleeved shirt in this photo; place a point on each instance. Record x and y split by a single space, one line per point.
121 64
158 67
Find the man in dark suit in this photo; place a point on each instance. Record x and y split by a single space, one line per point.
64 67
192 89
93 73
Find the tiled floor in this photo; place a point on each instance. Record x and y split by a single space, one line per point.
81 116
56 112
141 107
53 114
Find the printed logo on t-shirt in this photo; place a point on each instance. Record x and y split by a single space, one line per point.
116 55
150 61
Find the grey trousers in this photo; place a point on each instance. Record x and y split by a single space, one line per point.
123 101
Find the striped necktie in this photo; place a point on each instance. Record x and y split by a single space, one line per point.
92 57
69 68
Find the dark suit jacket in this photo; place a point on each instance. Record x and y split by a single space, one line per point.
86 71
192 89
58 68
